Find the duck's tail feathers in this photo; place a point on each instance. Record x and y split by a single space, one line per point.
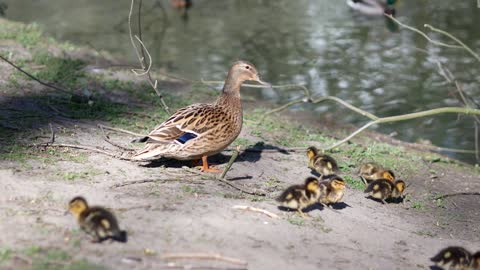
140 140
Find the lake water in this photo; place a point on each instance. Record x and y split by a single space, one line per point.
319 43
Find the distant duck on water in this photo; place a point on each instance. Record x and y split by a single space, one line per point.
373 7
201 130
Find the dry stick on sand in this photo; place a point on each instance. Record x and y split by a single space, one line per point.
107 139
253 209
226 182
455 194
202 256
121 130
146 65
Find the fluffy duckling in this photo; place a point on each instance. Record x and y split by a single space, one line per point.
383 189
399 187
452 258
301 196
321 163
373 171
96 221
380 189
332 190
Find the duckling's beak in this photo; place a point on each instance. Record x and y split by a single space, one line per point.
257 79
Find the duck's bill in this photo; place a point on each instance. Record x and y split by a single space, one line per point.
257 79
264 83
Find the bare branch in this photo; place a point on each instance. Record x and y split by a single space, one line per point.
438 43
202 256
35 78
253 209
462 45
145 67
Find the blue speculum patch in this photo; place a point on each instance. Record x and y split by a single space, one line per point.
186 137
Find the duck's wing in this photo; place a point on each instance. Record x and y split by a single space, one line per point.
184 127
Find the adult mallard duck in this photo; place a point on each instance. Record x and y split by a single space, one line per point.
202 130
373 7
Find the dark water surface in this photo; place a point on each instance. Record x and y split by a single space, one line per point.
319 43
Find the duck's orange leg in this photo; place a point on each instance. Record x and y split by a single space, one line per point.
205 167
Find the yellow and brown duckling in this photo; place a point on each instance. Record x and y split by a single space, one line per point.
301 196
332 190
399 187
201 130
372 171
454 258
383 189
321 163
96 221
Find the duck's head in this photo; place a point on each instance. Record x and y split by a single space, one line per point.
312 151
338 183
388 174
368 168
400 186
242 71
77 205
311 184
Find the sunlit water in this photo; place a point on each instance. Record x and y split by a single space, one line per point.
318 43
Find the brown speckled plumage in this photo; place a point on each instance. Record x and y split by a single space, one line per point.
214 126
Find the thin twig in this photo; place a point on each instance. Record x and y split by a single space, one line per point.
146 67
230 162
107 139
209 177
35 78
253 209
121 130
462 45
423 34
202 256
405 117
455 194
52 138
254 193
83 147
143 181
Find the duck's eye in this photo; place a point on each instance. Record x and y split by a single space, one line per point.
247 67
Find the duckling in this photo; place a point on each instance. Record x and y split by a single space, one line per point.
372 171
332 190
321 163
301 196
96 221
452 258
399 187
380 189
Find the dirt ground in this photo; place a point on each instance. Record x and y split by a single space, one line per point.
177 210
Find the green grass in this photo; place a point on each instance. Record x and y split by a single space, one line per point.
5 254
354 183
41 258
63 71
296 220
27 35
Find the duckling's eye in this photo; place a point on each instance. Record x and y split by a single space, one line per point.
247 67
